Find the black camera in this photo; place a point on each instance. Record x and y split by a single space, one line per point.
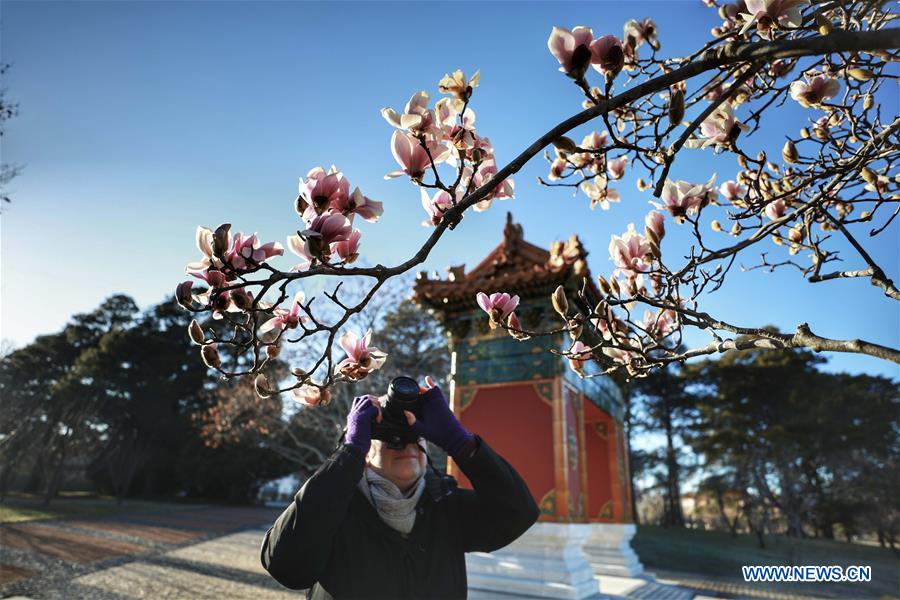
403 394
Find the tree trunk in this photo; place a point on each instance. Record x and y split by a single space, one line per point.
673 513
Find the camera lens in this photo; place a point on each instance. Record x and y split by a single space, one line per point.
403 390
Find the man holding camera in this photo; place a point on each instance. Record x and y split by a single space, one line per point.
375 521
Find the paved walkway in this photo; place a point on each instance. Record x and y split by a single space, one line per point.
196 552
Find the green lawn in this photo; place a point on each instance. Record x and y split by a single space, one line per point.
26 507
719 554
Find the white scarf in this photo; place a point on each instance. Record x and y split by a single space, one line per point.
394 507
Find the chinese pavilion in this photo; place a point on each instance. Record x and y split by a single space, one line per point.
562 433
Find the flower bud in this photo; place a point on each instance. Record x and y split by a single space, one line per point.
614 284
298 373
221 302
869 175
261 384
242 298
676 107
715 225
221 239
272 351
196 332
804 133
183 294
565 144
867 101
560 304
736 229
603 284
823 24
860 74
575 327
642 185
211 356
789 153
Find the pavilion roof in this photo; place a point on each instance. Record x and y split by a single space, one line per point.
514 266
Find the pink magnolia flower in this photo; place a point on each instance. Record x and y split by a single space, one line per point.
607 55
412 157
513 323
503 191
416 117
732 190
641 31
458 86
204 239
720 128
616 167
321 190
572 49
361 359
358 204
661 324
447 113
498 306
436 206
311 395
768 14
246 249
595 140
315 242
655 222
815 90
599 192
681 198
631 252
283 319
775 210
579 354
557 168
348 250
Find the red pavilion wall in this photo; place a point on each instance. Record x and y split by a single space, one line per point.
517 422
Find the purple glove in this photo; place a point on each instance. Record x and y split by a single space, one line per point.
437 423
359 423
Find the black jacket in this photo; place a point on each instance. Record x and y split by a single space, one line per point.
331 536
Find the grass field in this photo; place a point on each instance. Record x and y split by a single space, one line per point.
26 507
719 554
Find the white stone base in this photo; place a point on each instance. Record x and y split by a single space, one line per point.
609 552
548 561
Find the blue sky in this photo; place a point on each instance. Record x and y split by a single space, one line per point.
140 121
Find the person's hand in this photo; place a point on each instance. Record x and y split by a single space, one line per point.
437 423
363 411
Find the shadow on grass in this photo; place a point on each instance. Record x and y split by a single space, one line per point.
718 554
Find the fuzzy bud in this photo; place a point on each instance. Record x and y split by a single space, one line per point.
211 356
261 385
823 24
604 286
183 294
789 153
565 144
560 304
715 225
869 175
676 107
196 332
860 74
221 239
